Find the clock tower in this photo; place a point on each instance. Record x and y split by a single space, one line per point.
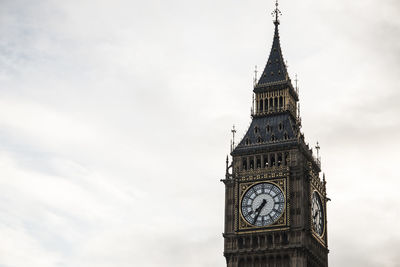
275 195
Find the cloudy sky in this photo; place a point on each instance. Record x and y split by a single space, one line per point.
115 122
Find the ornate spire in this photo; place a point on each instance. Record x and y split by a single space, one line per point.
275 70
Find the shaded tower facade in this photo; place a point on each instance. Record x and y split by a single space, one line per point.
275 197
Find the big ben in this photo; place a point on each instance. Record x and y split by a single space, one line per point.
275 194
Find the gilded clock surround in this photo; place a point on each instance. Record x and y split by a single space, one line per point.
283 222
319 238
316 185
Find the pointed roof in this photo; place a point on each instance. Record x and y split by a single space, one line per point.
275 71
275 75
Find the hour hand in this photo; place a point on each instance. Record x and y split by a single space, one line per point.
257 211
255 218
316 214
261 206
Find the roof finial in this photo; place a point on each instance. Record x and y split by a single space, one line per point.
276 13
255 76
233 137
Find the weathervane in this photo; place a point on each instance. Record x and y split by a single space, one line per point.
276 13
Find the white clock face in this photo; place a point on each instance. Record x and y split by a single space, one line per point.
317 214
263 204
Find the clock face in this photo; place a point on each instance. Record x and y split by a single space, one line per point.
263 204
317 214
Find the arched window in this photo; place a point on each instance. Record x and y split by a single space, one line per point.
277 238
280 102
286 158
266 104
272 160
256 129
262 244
255 242
285 136
258 162
261 105
244 164
272 137
259 140
269 240
247 242
247 141
285 239
240 243
265 163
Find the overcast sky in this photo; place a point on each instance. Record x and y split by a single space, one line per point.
115 121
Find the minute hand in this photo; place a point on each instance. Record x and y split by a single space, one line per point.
259 209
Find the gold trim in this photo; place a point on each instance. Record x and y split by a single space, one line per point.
320 238
283 221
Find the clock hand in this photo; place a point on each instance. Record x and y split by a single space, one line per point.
259 209
316 214
255 219
261 206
